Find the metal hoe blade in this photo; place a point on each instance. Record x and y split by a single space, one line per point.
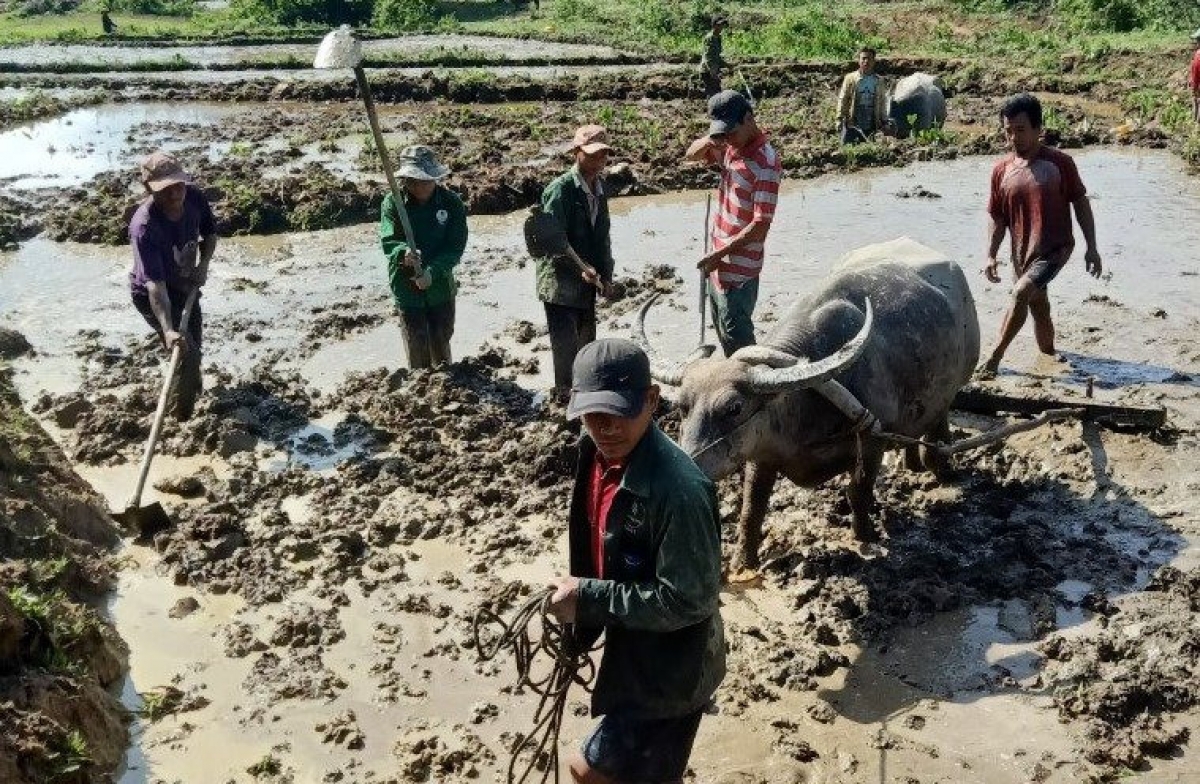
339 49
144 521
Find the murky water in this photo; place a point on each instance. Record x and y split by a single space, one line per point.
77 146
413 45
122 80
928 687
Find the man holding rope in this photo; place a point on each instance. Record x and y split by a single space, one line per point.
646 570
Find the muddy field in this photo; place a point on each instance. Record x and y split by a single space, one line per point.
306 163
340 520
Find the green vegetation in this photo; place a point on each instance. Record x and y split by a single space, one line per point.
775 29
160 702
291 12
267 766
71 757
61 624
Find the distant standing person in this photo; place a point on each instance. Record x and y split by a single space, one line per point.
746 198
107 23
1033 191
862 102
173 235
424 300
567 284
1194 76
712 64
645 556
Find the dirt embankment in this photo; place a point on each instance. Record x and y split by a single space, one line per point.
503 138
59 660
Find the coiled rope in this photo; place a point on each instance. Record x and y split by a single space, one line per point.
555 645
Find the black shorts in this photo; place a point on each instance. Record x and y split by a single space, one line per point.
642 751
1042 271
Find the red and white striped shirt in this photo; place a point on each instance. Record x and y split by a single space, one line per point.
748 192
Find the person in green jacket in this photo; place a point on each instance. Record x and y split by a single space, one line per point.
422 277
645 552
567 284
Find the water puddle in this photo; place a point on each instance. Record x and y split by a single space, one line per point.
75 147
206 56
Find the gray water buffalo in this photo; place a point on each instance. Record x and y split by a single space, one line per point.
892 330
917 103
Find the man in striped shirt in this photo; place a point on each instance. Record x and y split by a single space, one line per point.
749 189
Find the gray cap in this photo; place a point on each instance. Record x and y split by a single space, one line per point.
727 109
417 162
610 376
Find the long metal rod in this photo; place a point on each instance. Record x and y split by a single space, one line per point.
398 197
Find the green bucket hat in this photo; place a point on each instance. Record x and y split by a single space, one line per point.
418 162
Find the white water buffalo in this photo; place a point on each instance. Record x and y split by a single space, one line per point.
917 103
893 327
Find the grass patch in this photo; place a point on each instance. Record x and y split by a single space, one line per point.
62 625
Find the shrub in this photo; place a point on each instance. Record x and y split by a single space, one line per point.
405 14
291 12
156 7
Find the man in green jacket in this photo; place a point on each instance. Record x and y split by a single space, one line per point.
422 277
567 284
646 572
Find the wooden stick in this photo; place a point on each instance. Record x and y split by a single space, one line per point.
979 401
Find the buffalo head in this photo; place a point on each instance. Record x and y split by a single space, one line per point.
728 418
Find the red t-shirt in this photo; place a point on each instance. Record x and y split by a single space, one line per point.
1194 79
605 481
1033 200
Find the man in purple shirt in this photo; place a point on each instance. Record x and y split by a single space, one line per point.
173 235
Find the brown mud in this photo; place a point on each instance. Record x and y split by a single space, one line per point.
58 656
466 458
482 129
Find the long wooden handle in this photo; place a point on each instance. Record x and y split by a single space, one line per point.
164 395
703 274
386 160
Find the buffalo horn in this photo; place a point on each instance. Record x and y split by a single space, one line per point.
661 370
808 374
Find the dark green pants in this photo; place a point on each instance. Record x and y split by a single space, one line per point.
427 333
732 313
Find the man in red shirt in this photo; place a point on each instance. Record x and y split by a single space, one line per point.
1194 77
1034 189
750 174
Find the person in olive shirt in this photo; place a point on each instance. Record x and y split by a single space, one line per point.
645 554
567 284
711 62
425 301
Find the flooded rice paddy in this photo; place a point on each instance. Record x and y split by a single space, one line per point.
960 692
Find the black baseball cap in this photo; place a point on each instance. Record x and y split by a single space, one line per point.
727 109
610 376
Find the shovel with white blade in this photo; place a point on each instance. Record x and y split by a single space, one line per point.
340 49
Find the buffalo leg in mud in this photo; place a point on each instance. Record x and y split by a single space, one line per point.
934 462
861 493
757 485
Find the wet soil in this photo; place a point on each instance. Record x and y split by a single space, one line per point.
58 656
